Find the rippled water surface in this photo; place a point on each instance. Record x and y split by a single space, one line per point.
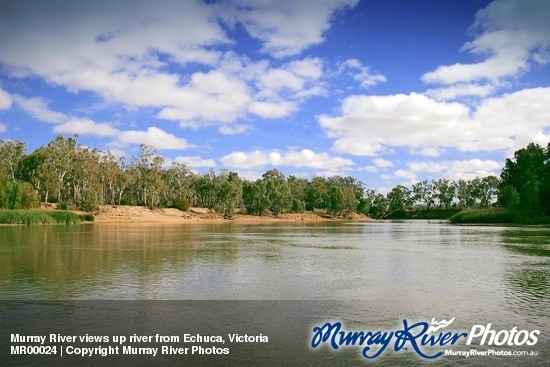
394 270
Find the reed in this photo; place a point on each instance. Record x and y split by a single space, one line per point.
29 217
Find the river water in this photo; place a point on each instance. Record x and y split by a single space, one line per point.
369 275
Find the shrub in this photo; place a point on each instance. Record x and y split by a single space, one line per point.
37 217
180 204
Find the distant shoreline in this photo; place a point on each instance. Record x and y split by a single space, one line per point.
141 214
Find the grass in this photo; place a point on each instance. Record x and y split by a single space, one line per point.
499 215
29 217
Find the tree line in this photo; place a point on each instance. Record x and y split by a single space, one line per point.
75 176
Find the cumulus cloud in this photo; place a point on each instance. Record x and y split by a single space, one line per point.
86 127
361 73
143 58
3 128
367 125
194 161
510 34
382 163
65 124
154 136
452 170
461 90
5 100
302 158
286 27
38 108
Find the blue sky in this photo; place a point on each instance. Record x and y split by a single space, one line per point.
389 92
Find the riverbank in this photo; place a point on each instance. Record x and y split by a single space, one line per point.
130 214
497 216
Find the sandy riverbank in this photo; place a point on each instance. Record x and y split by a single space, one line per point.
139 214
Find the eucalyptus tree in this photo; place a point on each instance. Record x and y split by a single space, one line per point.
298 189
12 152
399 198
230 193
423 193
148 167
278 192
527 173
317 194
445 192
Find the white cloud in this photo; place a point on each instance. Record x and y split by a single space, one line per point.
369 124
302 158
286 27
5 100
154 136
3 128
38 108
427 151
473 168
128 58
361 74
194 161
382 163
452 170
86 127
65 124
272 109
430 167
460 90
510 121
510 33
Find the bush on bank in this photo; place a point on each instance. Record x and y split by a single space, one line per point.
37 217
499 215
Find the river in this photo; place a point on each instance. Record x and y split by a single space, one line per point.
369 275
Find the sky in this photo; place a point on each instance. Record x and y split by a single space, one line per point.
387 91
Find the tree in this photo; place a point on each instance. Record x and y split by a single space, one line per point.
423 193
230 192
278 192
526 173
147 167
341 195
298 190
488 190
317 194
445 192
60 160
255 198
12 153
399 198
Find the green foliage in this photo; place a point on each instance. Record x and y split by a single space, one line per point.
279 197
399 198
255 198
17 195
89 201
181 204
29 197
298 205
37 217
86 217
499 215
65 205
527 173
